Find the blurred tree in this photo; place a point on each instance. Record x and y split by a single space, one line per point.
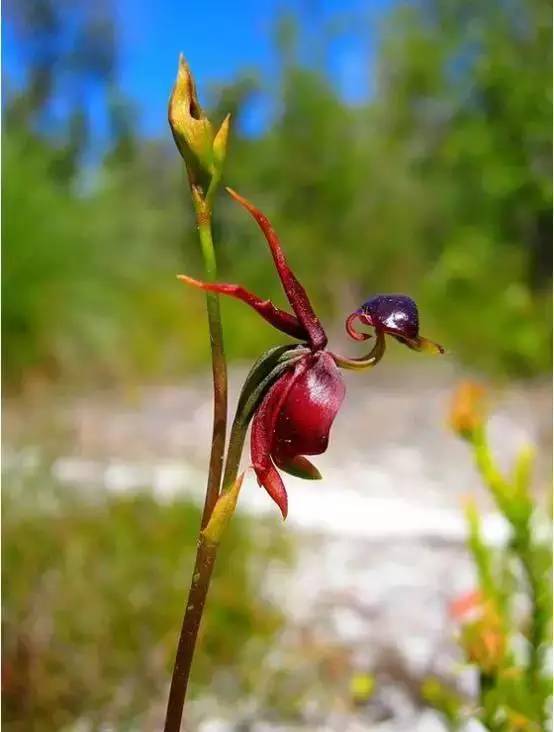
439 186
63 47
465 98
75 303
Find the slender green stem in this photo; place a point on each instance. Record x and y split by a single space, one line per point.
486 684
515 502
262 375
219 371
200 584
202 574
488 470
539 615
206 551
234 452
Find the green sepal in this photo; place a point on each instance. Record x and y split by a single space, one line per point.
300 467
265 371
223 512
263 374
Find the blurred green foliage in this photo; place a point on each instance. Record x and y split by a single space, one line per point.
439 186
88 280
93 593
506 622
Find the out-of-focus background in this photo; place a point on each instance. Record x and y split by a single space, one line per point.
396 146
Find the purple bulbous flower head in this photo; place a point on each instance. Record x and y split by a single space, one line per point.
395 315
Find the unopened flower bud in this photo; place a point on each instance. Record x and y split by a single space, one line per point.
192 130
467 412
482 633
485 641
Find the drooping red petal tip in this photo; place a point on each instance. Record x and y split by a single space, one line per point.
271 481
261 439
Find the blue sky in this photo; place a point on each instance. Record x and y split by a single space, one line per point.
220 39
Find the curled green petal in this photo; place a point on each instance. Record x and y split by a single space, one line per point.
365 362
423 345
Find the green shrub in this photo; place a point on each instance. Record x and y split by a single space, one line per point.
93 593
508 647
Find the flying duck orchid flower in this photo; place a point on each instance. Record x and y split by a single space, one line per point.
295 413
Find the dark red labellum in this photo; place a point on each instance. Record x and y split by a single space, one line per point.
294 420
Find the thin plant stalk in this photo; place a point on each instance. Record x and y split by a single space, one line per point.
206 551
262 375
219 364
205 560
202 574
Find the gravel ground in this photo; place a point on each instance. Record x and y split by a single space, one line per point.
380 539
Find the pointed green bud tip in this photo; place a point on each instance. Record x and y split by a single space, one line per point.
192 131
220 142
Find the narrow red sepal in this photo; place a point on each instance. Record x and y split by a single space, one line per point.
294 291
279 319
